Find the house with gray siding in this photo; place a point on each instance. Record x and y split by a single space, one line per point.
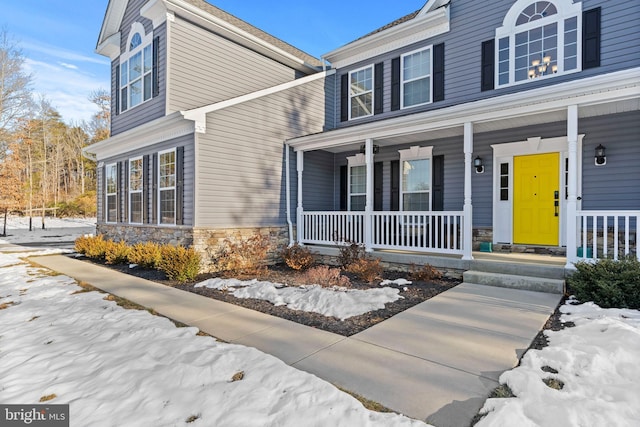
464 125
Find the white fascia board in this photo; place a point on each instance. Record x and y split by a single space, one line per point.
420 28
242 37
110 47
617 86
112 21
156 11
432 5
154 132
199 115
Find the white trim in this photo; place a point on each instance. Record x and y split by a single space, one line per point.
174 188
358 160
109 38
373 81
616 86
107 194
110 47
416 153
156 11
429 76
130 192
199 115
422 27
125 57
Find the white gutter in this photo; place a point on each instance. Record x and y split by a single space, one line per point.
288 194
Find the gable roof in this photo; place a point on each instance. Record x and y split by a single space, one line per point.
114 15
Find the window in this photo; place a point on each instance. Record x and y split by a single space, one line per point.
136 69
504 181
357 188
538 40
361 92
167 187
415 179
111 179
416 78
135 190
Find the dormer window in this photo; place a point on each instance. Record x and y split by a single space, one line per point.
538 39
136 69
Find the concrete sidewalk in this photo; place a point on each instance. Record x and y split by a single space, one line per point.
436 361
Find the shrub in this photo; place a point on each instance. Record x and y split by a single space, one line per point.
608 283
179 263
350 252
326 277
297 257
116 253
83 205
367 269
424 273
93 247
244 257
147 254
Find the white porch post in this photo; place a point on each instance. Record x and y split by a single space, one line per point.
467 242
368 209
572 186
299 210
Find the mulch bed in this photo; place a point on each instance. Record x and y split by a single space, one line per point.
553 324
417 292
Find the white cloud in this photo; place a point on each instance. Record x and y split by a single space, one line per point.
61 53
69 66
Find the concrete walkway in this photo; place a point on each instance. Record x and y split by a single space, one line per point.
436 361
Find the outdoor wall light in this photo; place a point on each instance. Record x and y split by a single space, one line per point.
601 157
477 163
363 149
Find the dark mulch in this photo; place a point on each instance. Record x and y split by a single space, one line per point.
553 324
417 292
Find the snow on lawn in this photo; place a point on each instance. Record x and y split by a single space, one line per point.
598 361
118 367
56 229
338 302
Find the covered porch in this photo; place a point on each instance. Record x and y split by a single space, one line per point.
479 142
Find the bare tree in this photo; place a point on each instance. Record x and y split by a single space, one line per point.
15 90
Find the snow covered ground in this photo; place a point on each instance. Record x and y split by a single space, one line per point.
56 230
118 367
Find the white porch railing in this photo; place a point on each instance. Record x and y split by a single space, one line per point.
437 232
604 234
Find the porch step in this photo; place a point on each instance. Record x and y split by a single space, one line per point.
514 281
541 268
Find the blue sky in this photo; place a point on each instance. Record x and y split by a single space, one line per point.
58 37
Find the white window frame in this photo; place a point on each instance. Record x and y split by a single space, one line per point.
428 76
566 9
145 48
358 160
372 91
108 194
140 191
168 188
416 153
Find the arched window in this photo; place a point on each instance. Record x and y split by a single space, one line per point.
136 68
538 39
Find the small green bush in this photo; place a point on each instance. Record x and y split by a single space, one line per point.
93 247
116 253
608 283
145 254
297 257
243 257
179 263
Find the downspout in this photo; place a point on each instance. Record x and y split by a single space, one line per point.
288 194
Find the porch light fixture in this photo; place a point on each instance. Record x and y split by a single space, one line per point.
477 163
363 149
601 157
541 68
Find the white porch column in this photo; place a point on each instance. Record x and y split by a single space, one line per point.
572 186
368 209
467 241
299 210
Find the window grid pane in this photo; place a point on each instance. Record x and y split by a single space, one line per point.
536 52
167 206
570 44
361 92
416 78
136 207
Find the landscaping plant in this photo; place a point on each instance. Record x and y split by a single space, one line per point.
145 254
179 263
297 257
326 277
93 247
244 257
367 269
116 253
423 273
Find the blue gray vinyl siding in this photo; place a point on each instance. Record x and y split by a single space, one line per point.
473 22
318 181
189 176
241 170
206 68
155 107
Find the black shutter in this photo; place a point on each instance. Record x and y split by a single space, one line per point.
116 109
591 38
395 84
488 65
344 98
155 77
378 169
146 186
154 190
378 95
344 171
438 72
437 197
119 191
125 191
103 196
395 185
180 186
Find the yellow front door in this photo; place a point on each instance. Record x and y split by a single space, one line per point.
536 189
